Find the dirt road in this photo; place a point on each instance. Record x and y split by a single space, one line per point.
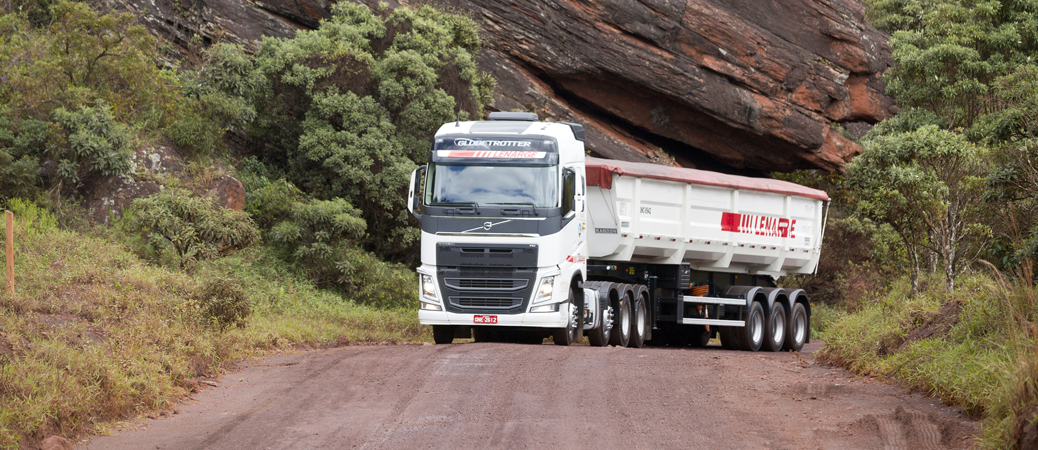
544 396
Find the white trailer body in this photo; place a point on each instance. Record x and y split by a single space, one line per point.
524 236
649 213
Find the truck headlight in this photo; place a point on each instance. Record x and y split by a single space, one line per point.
428 288
545 290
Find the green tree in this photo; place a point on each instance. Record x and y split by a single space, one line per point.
195 227
927 185
348 110
948 53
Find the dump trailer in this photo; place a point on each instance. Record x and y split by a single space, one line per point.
524 236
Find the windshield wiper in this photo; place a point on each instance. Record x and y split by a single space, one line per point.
474 204
530 204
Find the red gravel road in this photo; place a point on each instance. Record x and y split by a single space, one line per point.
545 396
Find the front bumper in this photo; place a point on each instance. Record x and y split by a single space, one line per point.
538 320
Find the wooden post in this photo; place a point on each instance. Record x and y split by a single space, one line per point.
10 252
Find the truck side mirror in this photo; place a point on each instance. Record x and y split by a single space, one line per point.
412 193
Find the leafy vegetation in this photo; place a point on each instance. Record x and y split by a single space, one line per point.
195 227
322 130
95 334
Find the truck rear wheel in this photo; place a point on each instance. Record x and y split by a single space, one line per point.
775 328
443 334
599 337
570 334
796 328
621 332
640 324
751 335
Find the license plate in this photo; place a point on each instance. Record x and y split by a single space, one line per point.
484 319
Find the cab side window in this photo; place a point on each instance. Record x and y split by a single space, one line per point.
569 189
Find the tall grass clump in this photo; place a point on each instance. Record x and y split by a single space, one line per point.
95 334
976 348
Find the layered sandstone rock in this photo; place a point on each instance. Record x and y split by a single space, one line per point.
729 85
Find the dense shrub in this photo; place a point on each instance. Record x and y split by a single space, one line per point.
348 110
321 238
223 301
92 143
194 227
21 145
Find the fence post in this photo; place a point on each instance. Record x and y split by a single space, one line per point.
10 252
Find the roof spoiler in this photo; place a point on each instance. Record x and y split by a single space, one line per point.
514 116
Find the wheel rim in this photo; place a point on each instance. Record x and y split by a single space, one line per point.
640 319
607 322
757 322
779 330
799 327
573 319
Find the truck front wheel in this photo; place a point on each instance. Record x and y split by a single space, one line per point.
570 334
443 334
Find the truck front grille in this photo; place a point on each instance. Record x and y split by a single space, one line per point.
483 302
488 283
488 278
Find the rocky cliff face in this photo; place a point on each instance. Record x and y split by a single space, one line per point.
734 85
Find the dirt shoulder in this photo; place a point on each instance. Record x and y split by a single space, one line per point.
537 396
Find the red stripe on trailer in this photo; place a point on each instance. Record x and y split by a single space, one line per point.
600 173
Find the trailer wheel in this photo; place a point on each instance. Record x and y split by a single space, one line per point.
621 332
796 330
775 328
443 334
570 334
640 325
728 340
751 336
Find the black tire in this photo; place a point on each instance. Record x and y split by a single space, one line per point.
570 334
728 340
443 334
699 336
621 332
639 323
481 334
796 328
751 336
599 337
775 328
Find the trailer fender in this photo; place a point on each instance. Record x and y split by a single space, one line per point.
745 292
776 295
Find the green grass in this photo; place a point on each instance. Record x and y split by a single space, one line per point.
94 334
974 348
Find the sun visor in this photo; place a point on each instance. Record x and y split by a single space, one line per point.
503 149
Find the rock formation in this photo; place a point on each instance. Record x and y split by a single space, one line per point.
735 85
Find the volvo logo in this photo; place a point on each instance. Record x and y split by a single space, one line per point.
486 226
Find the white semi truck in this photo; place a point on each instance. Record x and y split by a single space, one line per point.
524 235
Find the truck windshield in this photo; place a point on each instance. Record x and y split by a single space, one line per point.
492 185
